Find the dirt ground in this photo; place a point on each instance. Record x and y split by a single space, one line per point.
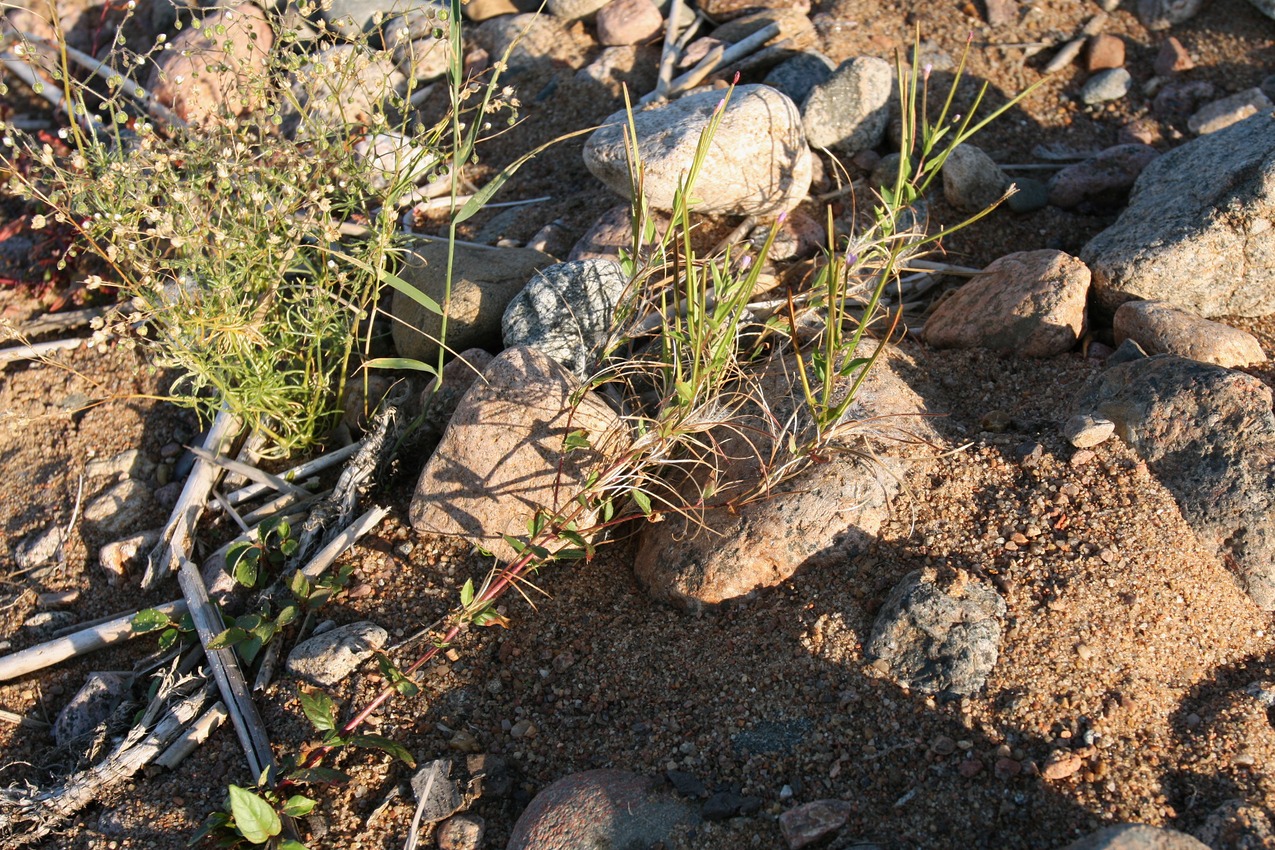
1126 642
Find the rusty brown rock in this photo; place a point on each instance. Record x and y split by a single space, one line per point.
1161 328
1105 51
1031 303
1172 57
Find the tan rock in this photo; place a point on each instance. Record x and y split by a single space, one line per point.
1161 328
1105 51
1031 303
1136 836
218 68
623 22
1060 765
501 458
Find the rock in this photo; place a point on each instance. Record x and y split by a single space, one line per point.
1176 100
1172 58
1085 431
532 41
489 776
1208 434
393 156
757 163
461 832
628 22
1266 7
352 18
212 71
1136 836
1103 180
1161 328
574 10
797 237
796 77
340 86
92 705
599 810
1001 13
725 10
567 312
1162 14
119 508
1031 303
501 458
120 557
828 511
804 825
616 67
1237 825
419 41
439 399
1029 195
326 659
1106 86
1229 110
849 112
938 635
484 280
130 463
727 804
1140 131
613 233
482 10
972 182
1197 231
40 548
1060 764
1105 52
437 794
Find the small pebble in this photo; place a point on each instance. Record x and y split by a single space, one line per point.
1060 765
970 768
1085 431
1106 86
1105 52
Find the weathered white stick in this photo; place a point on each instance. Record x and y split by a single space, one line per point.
297 473
249 471
210 721
38 350
731 54
668 54
343 541
84 641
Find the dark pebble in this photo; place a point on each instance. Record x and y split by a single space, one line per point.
1031 196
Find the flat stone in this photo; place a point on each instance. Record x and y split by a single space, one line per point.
600 810
131 463
1031 303
119 508
461 832
1172 58
849 112
484 281
1103 181
120 557
326 659
1161 328
806 824
93 704
501 458
1086 431
437 794
1221 114
757 162
1136 836
1197 231
1106 86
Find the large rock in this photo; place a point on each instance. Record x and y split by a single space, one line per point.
1163 329
1197 232
484 280
1136 836
600 810
420 40
1031 303
757 162
828 510
341 86
501 458
218 69
327 658
1266 7
532 41
567 311
849 111
939 634
1208 434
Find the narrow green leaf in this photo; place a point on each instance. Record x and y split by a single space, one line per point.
643 501
254 817
298 806
400 363
292 844
230 637
319 709
467 593
385 745
484 195
319 776
149 620
213 822
514 543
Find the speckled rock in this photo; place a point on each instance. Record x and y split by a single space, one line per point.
1237 825
533 41
566 312
805 824
757 162
938 634
1197 232
1136 836
600 810
612 233
1161 328
1221 114
439 399
628 22
94 703
326 659
797 77
1208 434
501 456
849 112
971 180
1031 303
828 511
1103 181
1162 14
484 281
1105 86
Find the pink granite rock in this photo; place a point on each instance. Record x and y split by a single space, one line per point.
623 22
1161 328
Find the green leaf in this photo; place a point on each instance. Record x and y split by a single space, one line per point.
385 745
254 817
150 620
287 615
643 501
230 637
298 806
578 439
467 593
319 709
319 776
212 823
243 561
167 638
292 844
300 585
248 649
514 543
608 510
400 363
484 195
407 688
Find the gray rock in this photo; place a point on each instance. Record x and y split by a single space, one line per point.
351 18
439 399
1163 329
437 794
1136 836
1221 114
461 832
1176 101
131 463
1103 180
1104 86
828 511
40 548
796 77
532 42
567 312
419 40
574 10
806 824
613 233
120 508
1266 7
849 112
1029 195
339 87
119 557
1208 434
393 156
1085 431
326 659
938 636
1162 14
484 280
1031 303
972 182
92 705
757 163
600 810
501 458
1197 232
1237 825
